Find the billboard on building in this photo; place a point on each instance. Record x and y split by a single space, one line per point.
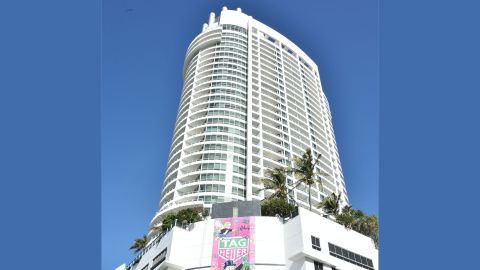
234 244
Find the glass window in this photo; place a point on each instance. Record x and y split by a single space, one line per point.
349 256
331 247
318 265
315 243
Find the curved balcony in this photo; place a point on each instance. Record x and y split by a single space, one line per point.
204 40
175 206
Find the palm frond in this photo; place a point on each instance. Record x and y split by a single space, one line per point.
139 244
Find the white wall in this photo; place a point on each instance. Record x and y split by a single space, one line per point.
298 241
270 244
193 248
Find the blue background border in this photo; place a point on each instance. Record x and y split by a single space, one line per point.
50 134
429 134
50 145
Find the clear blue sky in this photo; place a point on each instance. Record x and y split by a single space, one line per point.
144 43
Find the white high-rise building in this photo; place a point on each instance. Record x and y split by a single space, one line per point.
251 100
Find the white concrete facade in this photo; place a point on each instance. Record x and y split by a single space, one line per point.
285 245
251 100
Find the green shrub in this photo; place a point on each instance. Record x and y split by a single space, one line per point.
188 215
168 220
276 206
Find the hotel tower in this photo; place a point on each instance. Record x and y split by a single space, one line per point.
251 100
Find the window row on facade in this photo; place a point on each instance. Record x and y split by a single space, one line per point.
350 257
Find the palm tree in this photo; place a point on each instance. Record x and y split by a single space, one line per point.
331 204
139 244
348 217
153 230
277 182
304 170
368 225
360 222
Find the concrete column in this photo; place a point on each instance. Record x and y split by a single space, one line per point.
211 19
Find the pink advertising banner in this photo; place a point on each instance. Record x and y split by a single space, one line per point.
234 244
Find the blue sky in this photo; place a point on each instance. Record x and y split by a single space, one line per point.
144 43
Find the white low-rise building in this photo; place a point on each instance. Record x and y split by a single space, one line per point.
305 242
